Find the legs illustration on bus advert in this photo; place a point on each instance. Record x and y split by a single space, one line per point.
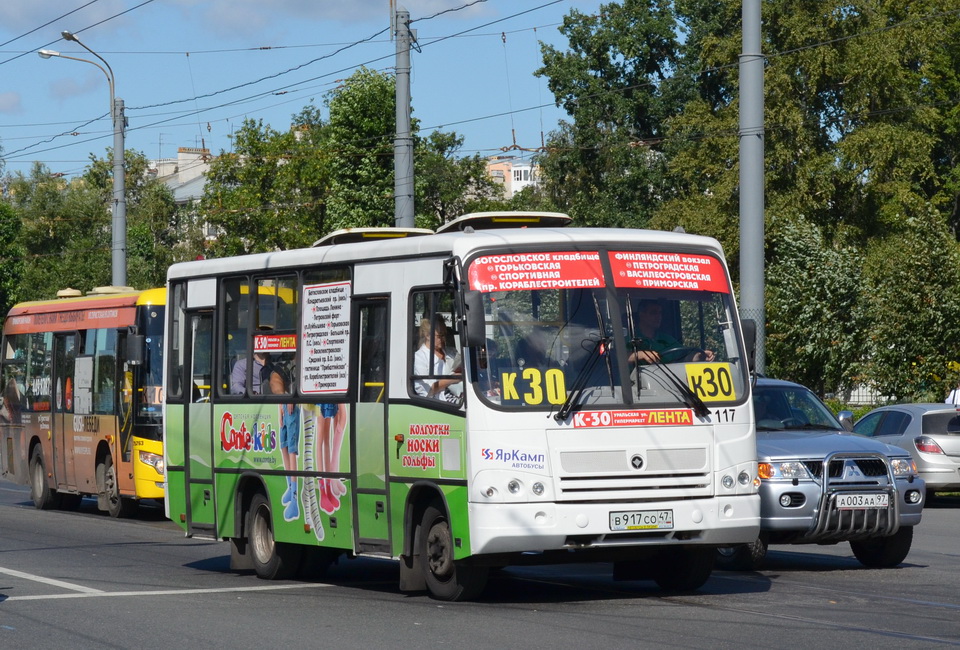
323 431
289 450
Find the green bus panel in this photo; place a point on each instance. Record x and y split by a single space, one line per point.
427 444
456 499
372 513
176 500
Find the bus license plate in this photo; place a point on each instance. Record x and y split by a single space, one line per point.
854 501
641 520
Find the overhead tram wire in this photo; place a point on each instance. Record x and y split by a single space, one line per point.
48 23
77 31
355 43
342 49
271 76
469 120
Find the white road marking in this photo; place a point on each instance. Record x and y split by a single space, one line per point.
50 581
95 593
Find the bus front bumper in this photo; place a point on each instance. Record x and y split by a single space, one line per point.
538 527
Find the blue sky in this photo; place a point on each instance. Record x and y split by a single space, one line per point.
176 61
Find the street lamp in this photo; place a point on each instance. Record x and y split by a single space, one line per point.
119 248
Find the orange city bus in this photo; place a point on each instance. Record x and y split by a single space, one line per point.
81 398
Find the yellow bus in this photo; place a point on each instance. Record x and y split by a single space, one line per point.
82 398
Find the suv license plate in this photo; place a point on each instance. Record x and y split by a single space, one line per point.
641 520
856 501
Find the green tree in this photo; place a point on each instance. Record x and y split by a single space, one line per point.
604 167
360 144
446 186
268 193
153 228
861 144
64 233
910 290
816 325
12 266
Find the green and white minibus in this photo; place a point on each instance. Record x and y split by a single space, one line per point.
504 390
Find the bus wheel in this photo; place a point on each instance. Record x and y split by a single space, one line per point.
445 578
684 569
272 560
43 497
117 505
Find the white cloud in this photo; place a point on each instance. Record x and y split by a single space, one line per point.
10 103
69 87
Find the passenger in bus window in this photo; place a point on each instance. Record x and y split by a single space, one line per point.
432 358
649 316
262 369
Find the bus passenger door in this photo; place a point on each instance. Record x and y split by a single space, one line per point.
64 467
198 425
369 439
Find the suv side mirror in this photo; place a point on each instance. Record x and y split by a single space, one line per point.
846 419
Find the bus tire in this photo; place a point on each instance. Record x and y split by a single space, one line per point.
884 552
272 560
446 579
118 506
43 496
743 557
684 569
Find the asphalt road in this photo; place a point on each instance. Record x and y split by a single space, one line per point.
83 580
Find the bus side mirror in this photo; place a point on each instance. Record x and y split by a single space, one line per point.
135 345
474 325
750 340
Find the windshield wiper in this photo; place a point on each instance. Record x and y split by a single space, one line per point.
689 397
600 348
573 397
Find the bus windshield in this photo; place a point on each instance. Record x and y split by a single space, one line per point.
648 329
151 372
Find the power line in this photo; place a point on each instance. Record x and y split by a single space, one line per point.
47 24
126 11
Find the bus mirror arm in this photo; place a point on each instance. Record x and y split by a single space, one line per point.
749 327
474 325
135 343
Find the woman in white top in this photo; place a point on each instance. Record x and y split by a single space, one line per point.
435 359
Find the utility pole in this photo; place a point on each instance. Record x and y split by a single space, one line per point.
119 255
751 178
403 142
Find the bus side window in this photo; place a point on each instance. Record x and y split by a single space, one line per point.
276 333
234 337
436 369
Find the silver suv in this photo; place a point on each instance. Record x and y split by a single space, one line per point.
821 484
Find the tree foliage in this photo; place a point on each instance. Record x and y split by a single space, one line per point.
861 164
601 167
279 190
58 234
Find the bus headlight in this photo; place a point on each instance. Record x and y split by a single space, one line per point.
153 460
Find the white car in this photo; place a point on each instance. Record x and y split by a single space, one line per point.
930 432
